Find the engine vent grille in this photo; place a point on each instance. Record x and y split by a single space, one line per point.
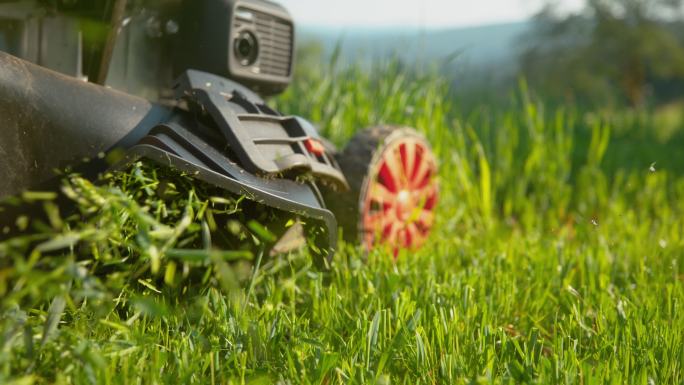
275 41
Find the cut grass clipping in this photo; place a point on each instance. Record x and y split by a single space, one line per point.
556 258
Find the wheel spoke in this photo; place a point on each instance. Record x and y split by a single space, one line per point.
408 153
417 235
392 169
422 173
373 222
390 232
426 218
380 194
427 195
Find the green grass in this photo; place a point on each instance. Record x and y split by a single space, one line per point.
557 258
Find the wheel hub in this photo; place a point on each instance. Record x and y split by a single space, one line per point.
404 205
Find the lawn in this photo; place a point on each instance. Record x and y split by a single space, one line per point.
558 257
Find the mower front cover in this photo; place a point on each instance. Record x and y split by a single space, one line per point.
227 137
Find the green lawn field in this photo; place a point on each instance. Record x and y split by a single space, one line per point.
558 257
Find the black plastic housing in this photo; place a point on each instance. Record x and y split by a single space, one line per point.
50 122
156 41
210 31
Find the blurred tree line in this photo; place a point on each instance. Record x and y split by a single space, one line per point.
615 51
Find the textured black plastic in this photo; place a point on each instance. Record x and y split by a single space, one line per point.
153 42
264 141
208 32
48 120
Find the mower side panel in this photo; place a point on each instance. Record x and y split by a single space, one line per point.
49 121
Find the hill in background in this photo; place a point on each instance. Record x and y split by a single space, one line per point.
488 49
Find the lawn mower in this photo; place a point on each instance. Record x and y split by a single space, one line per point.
91 85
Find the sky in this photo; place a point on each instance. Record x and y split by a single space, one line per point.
415 13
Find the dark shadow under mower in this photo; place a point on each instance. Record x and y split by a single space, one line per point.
218 130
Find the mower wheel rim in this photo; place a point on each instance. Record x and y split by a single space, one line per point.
400 195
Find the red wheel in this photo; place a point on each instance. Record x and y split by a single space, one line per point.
393 176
